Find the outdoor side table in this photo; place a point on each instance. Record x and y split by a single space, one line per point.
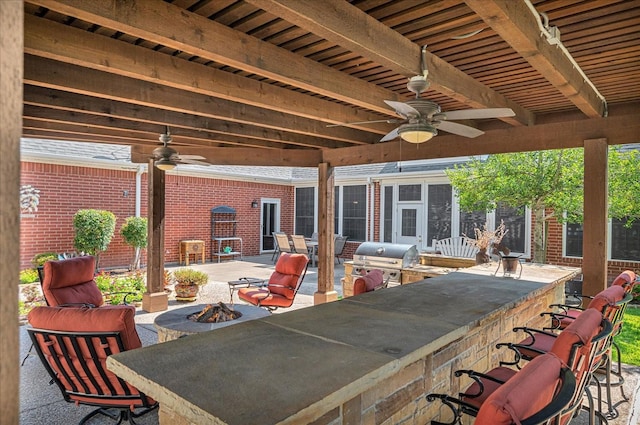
244 282
189 247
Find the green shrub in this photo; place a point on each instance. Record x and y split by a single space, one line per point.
190 277
38 260
29 276
115 288
93 231
134 232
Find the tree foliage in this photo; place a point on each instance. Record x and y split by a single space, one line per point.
134 232
549 182
93 231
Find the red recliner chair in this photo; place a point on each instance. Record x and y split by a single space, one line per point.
71 282
283 285
73 344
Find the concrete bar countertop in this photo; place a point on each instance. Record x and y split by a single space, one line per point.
290 367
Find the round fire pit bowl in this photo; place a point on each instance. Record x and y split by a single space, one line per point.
173 324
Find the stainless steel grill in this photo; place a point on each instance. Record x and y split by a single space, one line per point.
388 257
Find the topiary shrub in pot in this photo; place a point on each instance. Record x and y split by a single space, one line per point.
188 282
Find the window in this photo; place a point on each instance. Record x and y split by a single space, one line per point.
354 212
305 211
573 240
387 214
516 223
625 241
410 192
439 202
470 220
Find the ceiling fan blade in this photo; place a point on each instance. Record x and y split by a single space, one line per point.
459 129
192 162
391 135
182 157
403 109
391 121
466 114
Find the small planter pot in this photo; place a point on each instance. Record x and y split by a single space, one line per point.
186 292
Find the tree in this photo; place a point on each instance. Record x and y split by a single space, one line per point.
548 182
94 230
134 232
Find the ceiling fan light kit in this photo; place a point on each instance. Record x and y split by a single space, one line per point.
165 164
417 133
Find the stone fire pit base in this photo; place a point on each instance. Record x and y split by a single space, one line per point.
174 323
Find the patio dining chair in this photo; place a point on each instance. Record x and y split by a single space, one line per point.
339 244
300 245
282 241
74 343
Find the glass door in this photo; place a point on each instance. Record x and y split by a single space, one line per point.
411 224
270 222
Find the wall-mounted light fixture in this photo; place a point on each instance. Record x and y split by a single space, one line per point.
254 204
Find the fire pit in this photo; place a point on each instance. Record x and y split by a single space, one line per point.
215 313
175 323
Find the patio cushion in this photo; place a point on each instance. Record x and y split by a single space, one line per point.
626 279
70 281
109 318
369 282
287 274
531 389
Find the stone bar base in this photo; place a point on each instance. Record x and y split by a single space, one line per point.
369 359
158 301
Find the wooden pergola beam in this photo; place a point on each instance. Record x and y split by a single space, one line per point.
518 26
347 26
66 44
58 100
620 129
48 73
171 26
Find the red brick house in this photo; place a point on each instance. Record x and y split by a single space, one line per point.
393 202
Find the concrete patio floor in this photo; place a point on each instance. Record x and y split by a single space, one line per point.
41 403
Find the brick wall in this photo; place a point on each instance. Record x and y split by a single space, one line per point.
66 189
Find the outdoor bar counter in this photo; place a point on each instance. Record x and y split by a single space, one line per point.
368 359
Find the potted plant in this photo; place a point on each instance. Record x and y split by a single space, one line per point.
188 282
93 231
485 238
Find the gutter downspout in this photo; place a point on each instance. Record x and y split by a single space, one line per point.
139 172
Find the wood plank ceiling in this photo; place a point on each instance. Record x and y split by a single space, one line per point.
257 82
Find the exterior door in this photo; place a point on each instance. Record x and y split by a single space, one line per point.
410 224
270 222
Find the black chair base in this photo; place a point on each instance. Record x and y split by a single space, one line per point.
121 415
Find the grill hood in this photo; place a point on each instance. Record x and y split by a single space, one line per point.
386 254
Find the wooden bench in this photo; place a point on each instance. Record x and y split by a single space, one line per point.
457 246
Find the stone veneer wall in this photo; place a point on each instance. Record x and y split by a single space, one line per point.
401 398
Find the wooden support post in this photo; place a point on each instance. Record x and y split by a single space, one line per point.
11 87
155 299
594 241
326 231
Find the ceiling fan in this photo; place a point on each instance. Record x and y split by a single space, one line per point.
422 118
167 158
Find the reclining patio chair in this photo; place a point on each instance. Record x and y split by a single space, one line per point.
71 282
283 285
579 347
73 344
